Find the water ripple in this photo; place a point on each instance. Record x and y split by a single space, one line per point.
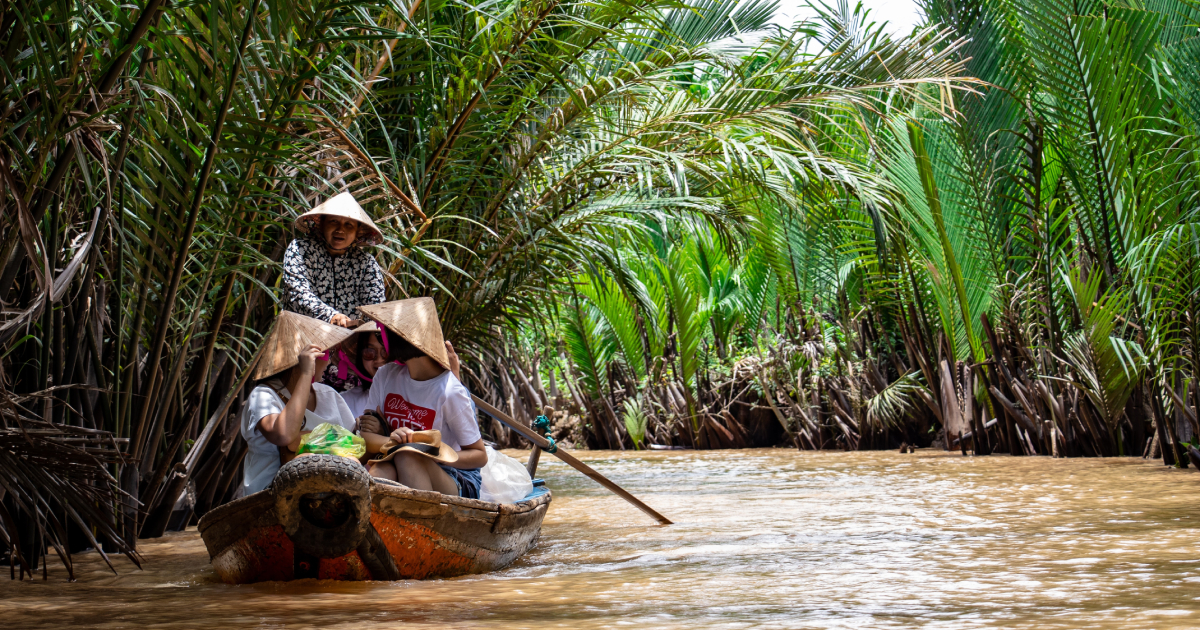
763 539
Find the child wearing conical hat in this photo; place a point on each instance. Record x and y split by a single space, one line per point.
360 357
418 392
287 402
327 273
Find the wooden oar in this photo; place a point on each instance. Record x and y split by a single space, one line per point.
528 434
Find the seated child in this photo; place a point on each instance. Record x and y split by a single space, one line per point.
287 403
360 358
420 393
363 355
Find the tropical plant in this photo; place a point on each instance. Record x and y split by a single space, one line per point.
944 249
894 403
759 235
1107 366
635 422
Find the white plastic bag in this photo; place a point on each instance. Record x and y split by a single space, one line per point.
505 480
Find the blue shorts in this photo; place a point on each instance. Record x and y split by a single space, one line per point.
468 481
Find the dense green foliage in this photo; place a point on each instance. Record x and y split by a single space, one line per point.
675 224
1056 202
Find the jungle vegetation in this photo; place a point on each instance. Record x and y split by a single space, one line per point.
673 222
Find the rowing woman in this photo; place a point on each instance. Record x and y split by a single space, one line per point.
327 271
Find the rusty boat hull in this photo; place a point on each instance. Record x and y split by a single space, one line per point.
412 534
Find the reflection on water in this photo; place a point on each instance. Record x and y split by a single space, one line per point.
763 539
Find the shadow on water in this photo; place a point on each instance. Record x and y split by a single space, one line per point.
763 539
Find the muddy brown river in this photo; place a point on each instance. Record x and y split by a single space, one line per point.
763 539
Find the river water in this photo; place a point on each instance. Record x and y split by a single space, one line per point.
763 539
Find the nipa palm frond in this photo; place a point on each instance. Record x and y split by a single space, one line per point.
1106 365
891 406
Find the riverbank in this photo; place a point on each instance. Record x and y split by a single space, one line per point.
766 538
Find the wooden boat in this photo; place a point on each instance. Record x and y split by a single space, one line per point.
324 517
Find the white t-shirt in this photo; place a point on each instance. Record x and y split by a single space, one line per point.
262 457
440 403
356 400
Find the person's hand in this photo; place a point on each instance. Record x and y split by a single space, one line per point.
341 320
308 359
403 435
452 356
369 423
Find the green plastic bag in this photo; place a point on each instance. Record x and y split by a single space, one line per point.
331 439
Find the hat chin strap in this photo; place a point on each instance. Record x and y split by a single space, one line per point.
344 362
383 338
428 449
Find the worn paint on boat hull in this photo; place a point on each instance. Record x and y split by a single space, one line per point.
427 534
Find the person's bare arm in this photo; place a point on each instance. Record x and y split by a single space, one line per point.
471 456
374 442
283 428
288 453
455 364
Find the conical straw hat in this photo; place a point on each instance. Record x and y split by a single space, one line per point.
367 327
291 334
416 320
345 206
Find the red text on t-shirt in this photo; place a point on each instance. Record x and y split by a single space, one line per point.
401 413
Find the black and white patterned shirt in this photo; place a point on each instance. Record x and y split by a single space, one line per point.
320 285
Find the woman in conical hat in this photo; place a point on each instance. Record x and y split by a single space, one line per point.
420 396
287 401
327 273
